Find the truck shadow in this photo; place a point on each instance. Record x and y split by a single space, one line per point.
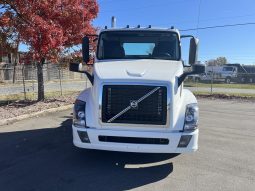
45 159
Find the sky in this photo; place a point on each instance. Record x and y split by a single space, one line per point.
237 44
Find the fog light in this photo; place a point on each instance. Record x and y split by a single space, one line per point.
84 136
184 140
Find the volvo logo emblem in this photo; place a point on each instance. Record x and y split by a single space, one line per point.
133 104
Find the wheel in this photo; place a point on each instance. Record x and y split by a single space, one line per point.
243 80
228 80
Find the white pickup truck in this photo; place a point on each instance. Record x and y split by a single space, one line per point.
137 102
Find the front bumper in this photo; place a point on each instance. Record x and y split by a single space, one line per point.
171 147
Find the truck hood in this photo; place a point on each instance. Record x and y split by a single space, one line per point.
153 70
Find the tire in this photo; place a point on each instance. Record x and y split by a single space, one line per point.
228 80
242 80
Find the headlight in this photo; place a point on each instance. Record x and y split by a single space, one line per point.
79 115
191 117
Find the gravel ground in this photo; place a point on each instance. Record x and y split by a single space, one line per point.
24 107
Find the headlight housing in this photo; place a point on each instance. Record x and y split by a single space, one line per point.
79 115
191 117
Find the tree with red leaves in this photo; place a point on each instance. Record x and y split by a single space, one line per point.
48 27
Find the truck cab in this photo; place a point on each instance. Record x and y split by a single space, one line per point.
137 102
229 73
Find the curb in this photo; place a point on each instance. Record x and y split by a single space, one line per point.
25 116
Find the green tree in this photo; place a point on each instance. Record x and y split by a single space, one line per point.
217 62
221 61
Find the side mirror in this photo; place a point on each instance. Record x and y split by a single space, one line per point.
85 49
193 50
75 67
198 69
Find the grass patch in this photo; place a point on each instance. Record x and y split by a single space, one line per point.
33 96
219 85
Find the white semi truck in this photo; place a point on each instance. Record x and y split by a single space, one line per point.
137 102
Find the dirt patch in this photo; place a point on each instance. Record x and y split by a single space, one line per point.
18 108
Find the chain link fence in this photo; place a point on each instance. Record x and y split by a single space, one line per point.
20 82
220 82
29 73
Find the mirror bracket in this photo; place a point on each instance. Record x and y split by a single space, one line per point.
196 69
183 76
90 77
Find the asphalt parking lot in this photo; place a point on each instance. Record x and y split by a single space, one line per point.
37 154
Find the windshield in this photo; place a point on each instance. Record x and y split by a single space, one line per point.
228 69
139 45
